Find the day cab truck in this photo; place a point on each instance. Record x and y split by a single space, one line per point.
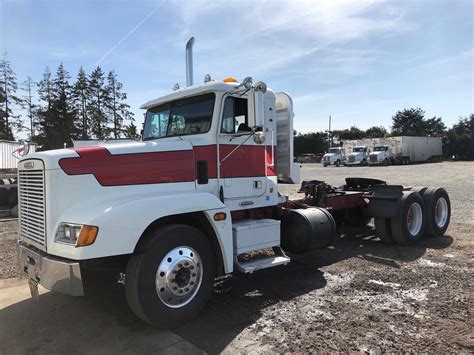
381 155
335 156
402 150
358 156
197 199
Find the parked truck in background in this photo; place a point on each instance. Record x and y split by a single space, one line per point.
358 156
381 155
195 200
335 156
400 149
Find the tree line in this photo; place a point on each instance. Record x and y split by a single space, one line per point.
58 110
458 141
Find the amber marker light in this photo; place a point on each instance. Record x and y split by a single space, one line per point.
230 80
220 216
87 236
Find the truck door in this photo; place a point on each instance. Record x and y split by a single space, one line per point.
243 163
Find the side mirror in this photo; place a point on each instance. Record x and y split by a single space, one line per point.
24 149
256 107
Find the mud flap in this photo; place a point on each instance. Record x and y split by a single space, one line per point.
34 289
384 201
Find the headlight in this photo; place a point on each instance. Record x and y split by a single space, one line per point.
79 235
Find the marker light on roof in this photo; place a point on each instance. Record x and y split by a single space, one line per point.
230 80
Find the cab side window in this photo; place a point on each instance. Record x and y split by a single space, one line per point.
235 117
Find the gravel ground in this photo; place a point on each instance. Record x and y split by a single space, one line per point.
358 295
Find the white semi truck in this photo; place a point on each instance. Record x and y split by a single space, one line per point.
195 200
335 156
358 156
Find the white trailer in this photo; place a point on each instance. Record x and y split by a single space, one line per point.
400 150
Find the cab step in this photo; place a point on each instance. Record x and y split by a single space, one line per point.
264 262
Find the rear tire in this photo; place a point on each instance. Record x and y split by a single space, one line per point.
438 211
408 225
170 278
384 230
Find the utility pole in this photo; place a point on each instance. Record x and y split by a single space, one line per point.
329 133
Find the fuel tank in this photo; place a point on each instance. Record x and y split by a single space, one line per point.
307 229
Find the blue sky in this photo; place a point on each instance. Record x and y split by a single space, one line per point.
359 61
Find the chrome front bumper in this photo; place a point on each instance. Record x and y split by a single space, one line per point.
54 273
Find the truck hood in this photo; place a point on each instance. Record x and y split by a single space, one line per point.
329 155
355 154
105 154
378 153
122 164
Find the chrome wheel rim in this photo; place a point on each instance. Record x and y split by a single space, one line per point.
441 212
179 277
414 219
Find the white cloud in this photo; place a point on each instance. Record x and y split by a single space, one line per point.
267 36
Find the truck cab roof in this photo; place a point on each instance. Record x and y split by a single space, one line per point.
217 85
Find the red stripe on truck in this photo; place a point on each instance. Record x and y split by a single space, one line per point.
246 161
132 168
166 167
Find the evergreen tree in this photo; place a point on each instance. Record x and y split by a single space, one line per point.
57 118
131 132
45 88
81 93
97 105
44 112
8 98
119 110
28 105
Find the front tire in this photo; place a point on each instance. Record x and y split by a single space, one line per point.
170 277
338 163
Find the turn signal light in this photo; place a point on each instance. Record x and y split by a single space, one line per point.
220 216
87 236
230 80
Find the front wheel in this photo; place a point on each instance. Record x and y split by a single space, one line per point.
338 163
170 278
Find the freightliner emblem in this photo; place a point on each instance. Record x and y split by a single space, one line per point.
29 165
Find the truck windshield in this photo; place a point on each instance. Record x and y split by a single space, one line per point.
358 149
334 150
188 116
379 149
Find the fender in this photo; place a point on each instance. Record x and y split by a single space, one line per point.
123 220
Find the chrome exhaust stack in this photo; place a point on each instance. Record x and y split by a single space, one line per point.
189 62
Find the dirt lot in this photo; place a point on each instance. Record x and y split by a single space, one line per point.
359 295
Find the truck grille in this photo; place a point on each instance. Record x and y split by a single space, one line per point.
352 158
31 205
373 157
